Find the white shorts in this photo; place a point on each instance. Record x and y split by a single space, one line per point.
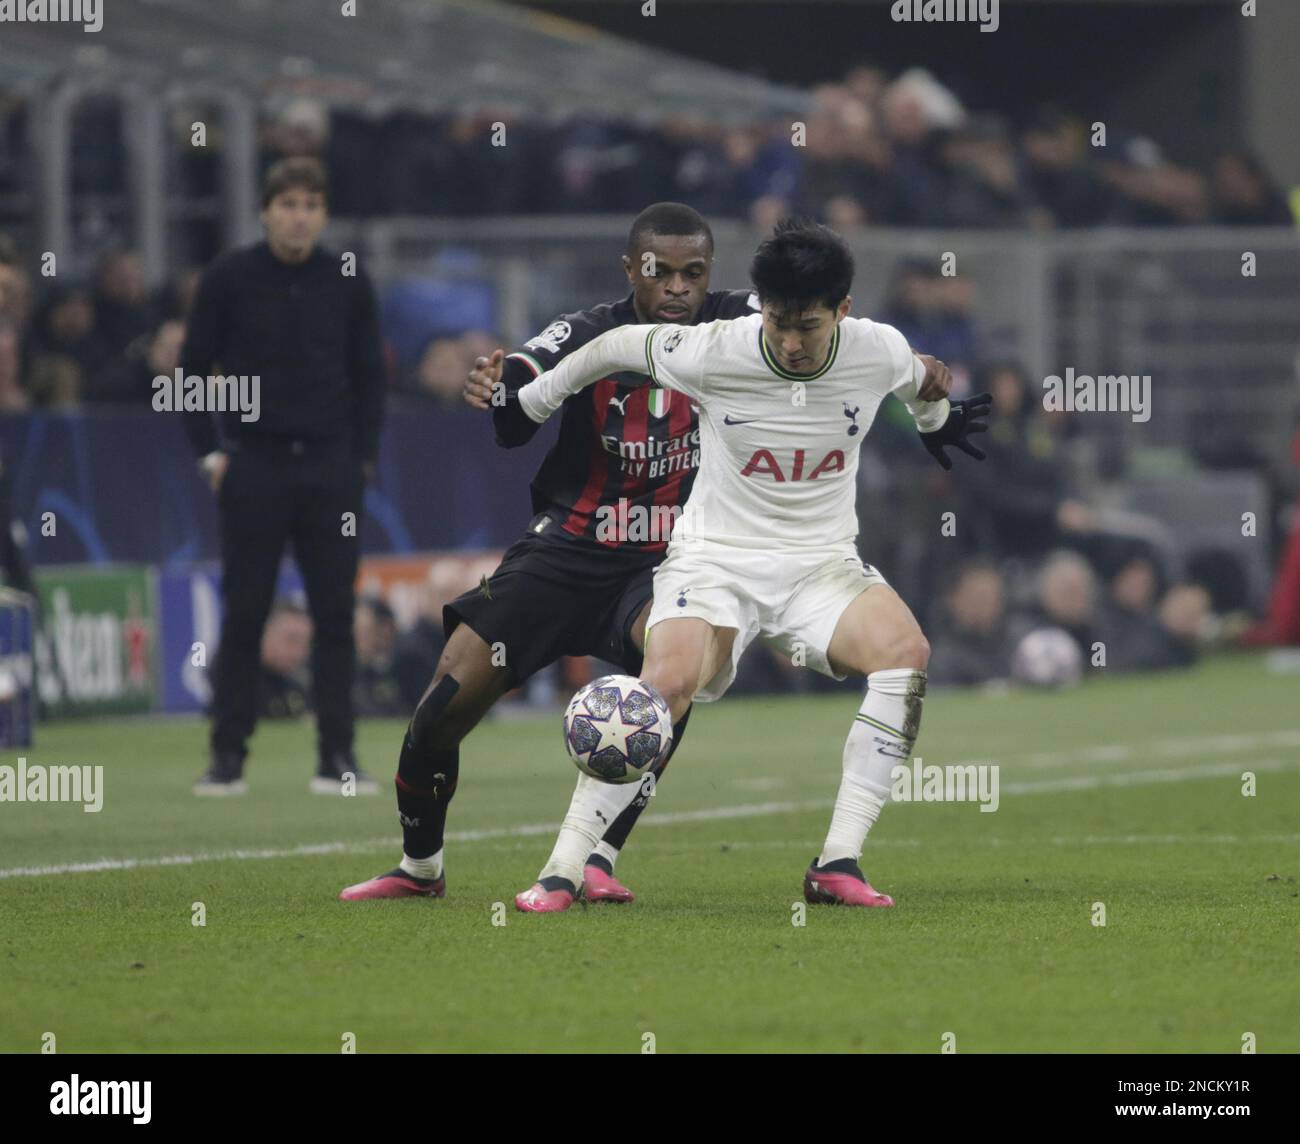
791 600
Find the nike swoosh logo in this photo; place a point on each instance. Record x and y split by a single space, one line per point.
727 420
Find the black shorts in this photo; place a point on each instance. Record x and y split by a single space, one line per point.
552 596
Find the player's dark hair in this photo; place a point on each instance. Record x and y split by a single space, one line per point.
297 174
802 265
666 218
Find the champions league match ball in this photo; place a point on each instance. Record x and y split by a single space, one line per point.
617 729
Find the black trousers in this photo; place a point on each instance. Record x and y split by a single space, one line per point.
296 492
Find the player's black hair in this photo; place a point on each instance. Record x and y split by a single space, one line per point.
666 218
802 265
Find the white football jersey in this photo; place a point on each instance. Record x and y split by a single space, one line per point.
778 450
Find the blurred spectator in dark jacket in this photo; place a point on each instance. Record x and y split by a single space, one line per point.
440 371
1138 634
130 380
846 177
1184 614
1016 503
982 185
970 641
934 312
286 650
1055 151
1150 190
914 107
122 309
1066 597
1243 194
66 347
376 691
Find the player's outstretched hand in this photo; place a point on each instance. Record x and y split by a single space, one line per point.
483 380
964 418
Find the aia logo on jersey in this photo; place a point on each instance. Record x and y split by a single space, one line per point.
764 464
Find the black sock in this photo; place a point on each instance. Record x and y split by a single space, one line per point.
426 782
621 827
426 774
843 866
555 882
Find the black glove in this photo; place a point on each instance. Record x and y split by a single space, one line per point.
964 418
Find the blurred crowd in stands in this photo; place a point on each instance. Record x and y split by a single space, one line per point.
873 151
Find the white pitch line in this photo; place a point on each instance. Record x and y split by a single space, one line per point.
669 818
1142 778
1165 748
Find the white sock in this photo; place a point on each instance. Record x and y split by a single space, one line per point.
606 851
592 811
430 867
880 739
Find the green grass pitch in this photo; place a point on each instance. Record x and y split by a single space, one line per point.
1127 792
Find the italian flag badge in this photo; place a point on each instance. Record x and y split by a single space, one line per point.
659 402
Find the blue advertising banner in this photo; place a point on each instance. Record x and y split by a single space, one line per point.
101 487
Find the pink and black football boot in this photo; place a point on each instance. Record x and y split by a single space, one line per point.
841 883
600 885
395 884
539 899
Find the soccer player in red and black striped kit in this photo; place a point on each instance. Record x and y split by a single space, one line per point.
579 581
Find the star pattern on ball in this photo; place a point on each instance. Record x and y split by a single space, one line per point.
614 731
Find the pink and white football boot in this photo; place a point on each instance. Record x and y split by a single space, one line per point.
537 899
841 883
600 885
395 884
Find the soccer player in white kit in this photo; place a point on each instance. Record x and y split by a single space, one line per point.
765 547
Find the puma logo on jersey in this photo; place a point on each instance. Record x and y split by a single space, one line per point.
620 402
764 464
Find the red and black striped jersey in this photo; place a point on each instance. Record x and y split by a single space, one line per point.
627 451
